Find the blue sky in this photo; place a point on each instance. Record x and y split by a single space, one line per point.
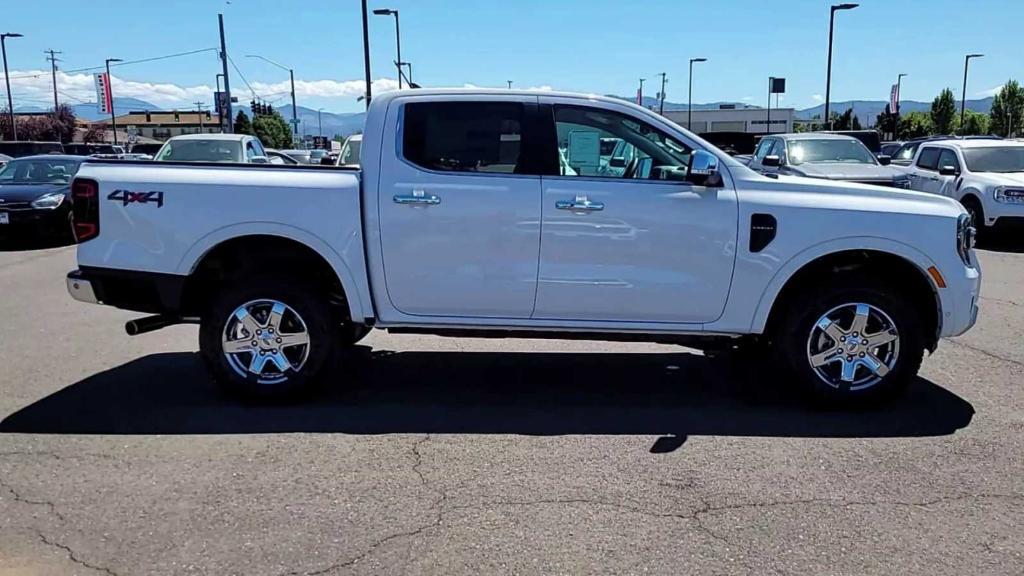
588 46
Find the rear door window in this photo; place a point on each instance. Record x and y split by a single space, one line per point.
464 136
929 158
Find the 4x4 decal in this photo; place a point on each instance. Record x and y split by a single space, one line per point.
127 197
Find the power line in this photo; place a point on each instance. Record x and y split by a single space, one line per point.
242 76
125 63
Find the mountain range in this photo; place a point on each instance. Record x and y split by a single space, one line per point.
345 124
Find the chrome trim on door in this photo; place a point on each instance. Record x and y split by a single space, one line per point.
580 204
417 197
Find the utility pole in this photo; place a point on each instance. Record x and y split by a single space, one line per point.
53 71
228 125
661 104
199 112
640 93
366 54
7 80
319 123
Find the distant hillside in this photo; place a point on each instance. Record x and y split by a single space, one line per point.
90 111
652 102
333 124
868 110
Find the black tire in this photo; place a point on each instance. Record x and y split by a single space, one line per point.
322 324
977 212
794 340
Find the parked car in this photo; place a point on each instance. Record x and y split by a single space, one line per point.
316 155
349 155
20 148
278 157
146 148
35 209
906 153
233 148
824 155
92 148
986 176
302 156
889 149
460 223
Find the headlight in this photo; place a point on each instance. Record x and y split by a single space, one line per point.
1008 195
965 237
51 200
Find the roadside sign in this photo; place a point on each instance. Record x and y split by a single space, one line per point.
104 102
894 99
778 86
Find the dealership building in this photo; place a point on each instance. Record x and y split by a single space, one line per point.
730 118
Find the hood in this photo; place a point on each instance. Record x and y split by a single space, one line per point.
835 195
845 171
28 192
999 178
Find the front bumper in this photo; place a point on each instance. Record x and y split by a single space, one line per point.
962 312
29 227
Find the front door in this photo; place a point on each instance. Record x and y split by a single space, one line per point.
459 213
641 246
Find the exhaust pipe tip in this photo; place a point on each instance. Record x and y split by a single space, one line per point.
150 324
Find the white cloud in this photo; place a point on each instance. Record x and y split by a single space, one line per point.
747 98
320 88
990 91
817 97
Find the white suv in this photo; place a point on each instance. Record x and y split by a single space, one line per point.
986 176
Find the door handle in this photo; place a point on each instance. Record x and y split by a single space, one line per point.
417 197
579 205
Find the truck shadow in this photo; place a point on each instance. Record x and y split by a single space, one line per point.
482 393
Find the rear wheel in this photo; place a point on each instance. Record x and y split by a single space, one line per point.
267 339
856 342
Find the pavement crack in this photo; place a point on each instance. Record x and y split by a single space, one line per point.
982 351
74 557
19 498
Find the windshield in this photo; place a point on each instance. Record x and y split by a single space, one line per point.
38 171
317 154
814 151
201 151
996 159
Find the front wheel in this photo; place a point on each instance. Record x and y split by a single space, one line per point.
264 339
856 342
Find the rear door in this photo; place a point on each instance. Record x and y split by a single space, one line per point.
459 208
631 247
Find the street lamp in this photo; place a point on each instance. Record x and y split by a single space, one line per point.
896 124
7 80
963 98
828 77
509 84
640 93
291 74
319 123
110 91
398 39
689 107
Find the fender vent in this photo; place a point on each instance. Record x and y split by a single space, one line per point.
762 231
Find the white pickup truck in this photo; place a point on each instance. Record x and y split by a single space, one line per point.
463 221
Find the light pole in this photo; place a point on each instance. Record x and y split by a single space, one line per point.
398 39
291 74
7 80
319 123
110 91
896 124
640 93
963 98
366 54
509 84
828 76
661 95
689 107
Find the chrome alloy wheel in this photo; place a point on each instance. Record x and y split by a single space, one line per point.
853 346
266 339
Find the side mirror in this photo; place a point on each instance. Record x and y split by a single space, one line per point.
884 159
771 161
617 162
703 169
947 171
259 160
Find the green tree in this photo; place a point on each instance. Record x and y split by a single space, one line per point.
272 130
845 121
915 125
242 123
885 122
1007 115
975 123
943 112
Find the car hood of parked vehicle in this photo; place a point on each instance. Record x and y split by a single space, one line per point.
838 195
999 178
845 171
28 192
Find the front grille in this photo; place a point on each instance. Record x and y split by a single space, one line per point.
15 206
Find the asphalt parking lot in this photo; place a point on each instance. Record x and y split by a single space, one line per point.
445 456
